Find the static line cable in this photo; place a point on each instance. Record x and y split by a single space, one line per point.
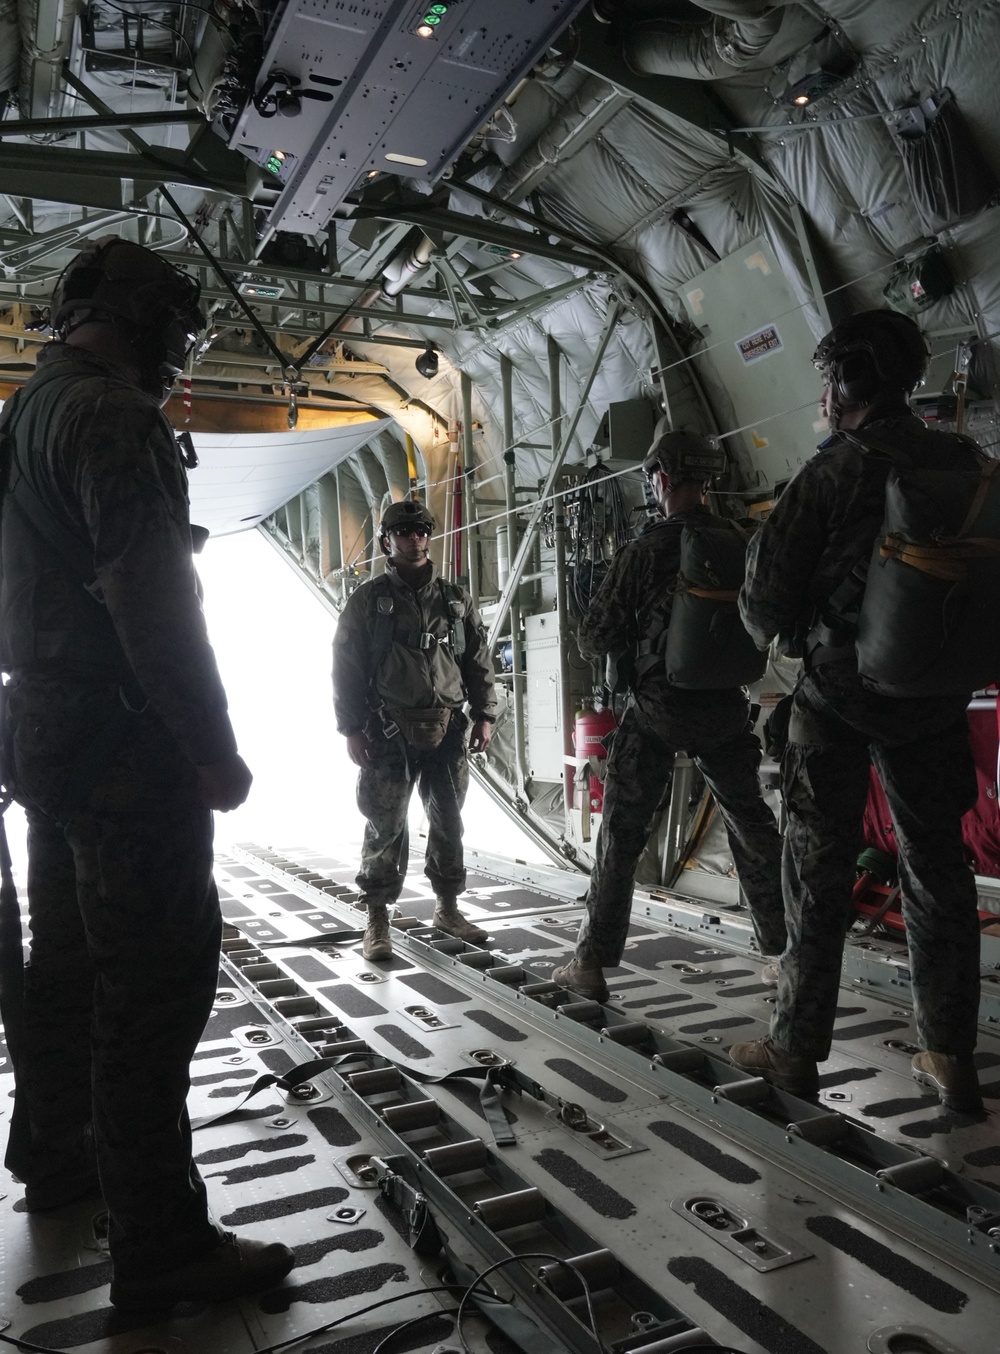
291 372
613 475
727 132
511 1259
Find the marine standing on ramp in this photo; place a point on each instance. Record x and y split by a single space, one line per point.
118 744
409 651
806 577
632 610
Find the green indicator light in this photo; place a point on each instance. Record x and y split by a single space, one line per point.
439 9
274 165
432 19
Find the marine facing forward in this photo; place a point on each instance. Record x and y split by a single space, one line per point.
409 651
633 611
806 579
118 744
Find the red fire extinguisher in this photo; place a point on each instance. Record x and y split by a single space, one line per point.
591 727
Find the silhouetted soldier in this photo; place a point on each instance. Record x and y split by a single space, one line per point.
119 747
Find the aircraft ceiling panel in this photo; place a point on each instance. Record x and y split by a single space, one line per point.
239 480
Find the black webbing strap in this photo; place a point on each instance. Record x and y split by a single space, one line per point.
489 1094
287 1081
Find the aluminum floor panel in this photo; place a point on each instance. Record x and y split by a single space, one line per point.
652 1177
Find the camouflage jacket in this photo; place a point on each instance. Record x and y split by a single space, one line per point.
409 678
636 596
827 520
98 580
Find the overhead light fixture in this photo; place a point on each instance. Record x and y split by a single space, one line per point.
263 291
429 20
814 70
427 363
275 161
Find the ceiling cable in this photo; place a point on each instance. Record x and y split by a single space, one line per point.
289 370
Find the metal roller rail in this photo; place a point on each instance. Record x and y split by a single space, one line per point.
493 1201
910 1193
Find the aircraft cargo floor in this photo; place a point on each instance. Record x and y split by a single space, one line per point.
452 1097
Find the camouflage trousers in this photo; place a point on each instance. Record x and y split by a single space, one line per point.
929 783
385 786
640 768
122 973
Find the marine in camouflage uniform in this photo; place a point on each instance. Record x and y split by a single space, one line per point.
712 726
826 522
389 672
117 744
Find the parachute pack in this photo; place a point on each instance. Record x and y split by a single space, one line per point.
705 645
929 617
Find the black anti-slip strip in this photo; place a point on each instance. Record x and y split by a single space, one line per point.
235 1150
586 1186
338 1131
233 1074
587 1081
904 1104
310 968
239 1175
352 1002
402 1041
705 1153
432 989
729 1023
984 1156
286 1206
846 1075
867 1030
757 1322
911 1278
351 1239
66 1284
497 1027
333 1288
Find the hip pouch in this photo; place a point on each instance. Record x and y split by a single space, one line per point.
424 730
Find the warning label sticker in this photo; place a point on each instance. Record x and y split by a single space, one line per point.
760 344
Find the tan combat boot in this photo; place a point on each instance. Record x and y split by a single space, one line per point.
953 1078
790 1072
377 943
447 918
584 976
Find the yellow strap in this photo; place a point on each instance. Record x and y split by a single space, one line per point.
945 561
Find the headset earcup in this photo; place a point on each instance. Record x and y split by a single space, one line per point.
857 379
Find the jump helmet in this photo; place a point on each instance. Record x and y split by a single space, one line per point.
114 279
873 353
684 454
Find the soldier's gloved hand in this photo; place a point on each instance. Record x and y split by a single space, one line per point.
226 784
359 749
482 733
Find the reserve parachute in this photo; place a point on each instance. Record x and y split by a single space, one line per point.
929 617
704 645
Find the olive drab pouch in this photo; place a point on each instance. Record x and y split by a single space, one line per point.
929 620
707 646
424 730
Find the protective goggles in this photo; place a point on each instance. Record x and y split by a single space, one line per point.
419 530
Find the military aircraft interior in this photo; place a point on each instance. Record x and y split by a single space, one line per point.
478 254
